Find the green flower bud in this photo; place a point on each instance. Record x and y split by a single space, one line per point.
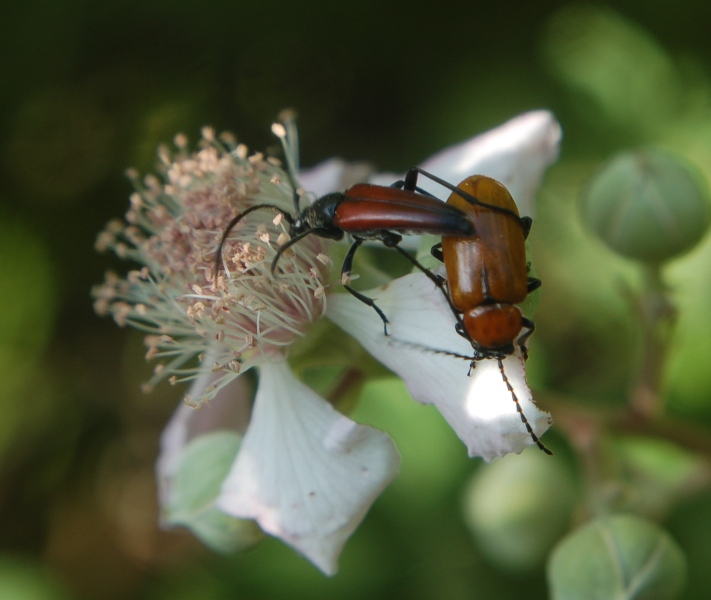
622 556
518 507
648 205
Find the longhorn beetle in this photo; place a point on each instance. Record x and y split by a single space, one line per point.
372 212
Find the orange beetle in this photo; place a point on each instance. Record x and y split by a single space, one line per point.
487 275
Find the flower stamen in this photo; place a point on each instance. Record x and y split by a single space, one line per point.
173 229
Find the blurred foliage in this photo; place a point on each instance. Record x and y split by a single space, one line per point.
515 519
88 89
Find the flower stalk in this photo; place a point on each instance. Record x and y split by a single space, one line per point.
657 315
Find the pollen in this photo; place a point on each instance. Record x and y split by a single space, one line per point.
279 130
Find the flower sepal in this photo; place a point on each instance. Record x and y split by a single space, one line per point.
199 472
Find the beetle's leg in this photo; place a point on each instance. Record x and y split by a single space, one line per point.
410 183
526 223
389 238
533 284
530 327
370 302
345 277
348 261
438 280
411 180
441 283
459 328
296 196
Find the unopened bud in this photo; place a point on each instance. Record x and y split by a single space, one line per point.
622 556
648 205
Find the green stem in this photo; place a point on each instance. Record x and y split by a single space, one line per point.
657 314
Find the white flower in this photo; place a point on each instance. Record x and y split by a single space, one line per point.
301 470
480 407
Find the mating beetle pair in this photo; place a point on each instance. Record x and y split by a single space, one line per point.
482 247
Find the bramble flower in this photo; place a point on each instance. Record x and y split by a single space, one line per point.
294 465
305 472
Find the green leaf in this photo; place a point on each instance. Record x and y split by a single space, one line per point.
659 473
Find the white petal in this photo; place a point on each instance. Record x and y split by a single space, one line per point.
515 153
333 175
172 444
305 472
324 178
478 407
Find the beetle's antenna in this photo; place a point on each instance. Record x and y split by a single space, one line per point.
524 420
423 348
468 197
417 346
231 225
288 245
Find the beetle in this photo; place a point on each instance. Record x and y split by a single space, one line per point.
487 275
371 212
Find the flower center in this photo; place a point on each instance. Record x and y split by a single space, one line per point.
238 315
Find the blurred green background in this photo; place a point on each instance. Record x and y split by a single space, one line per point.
88 89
